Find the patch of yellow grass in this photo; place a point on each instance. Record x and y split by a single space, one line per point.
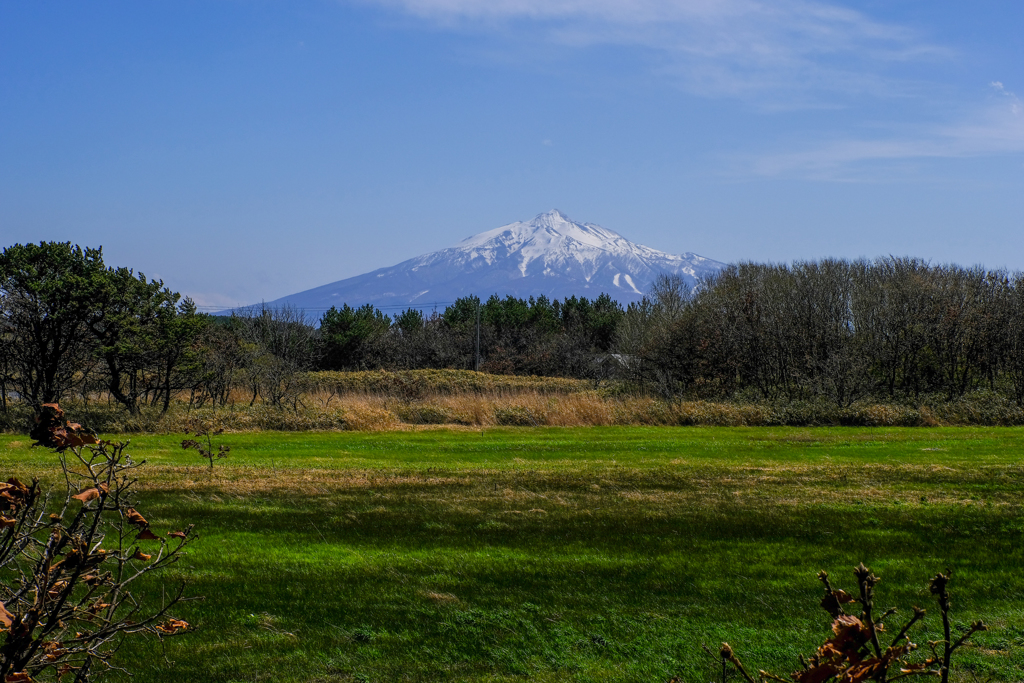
540 492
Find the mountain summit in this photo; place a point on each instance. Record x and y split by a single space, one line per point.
550 255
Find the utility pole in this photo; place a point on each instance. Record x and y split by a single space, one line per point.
478 335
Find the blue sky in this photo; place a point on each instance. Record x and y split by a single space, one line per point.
245 150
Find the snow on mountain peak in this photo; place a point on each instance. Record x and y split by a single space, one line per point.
552 245
546 231
549 255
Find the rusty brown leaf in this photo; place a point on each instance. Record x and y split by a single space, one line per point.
91 494
135 518
6 618
172 626
55 589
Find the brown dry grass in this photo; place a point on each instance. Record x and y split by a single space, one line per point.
530 402
376 412
597 488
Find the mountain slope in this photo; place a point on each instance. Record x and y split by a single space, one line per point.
549 255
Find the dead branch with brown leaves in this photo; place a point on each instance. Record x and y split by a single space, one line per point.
856 652
72 558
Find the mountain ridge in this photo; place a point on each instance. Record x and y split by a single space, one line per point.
550 255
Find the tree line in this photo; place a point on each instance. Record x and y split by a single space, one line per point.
73 327
891 329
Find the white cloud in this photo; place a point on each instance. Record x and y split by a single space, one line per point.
772 54
713 47
994 130
1015 103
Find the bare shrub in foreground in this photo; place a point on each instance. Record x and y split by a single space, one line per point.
206 432
72 560
856 652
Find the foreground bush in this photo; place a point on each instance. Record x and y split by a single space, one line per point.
856 652
72 560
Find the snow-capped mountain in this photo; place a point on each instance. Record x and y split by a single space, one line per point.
550 255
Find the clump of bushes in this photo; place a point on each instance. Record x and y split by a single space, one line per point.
73 559
857 652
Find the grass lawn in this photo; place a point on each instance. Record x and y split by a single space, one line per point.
547 554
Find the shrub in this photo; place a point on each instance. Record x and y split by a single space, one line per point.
73 558
856 652
515 416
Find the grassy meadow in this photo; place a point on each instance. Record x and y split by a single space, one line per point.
569 554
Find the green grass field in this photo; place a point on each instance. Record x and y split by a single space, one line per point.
595 554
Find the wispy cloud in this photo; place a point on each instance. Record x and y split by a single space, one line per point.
772 54
993 130
740 48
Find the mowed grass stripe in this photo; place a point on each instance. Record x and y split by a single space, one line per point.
604 554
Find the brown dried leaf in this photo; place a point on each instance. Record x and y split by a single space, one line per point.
135 518
139 555
177 534
172 626
7 522
147 535
6 618
815 674
56 589
72 559
864 671
92 494
96 558
97 606
54 650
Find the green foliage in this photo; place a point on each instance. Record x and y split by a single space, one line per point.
410 321
347 332
66 319
461 315
535 335
48 295
139 335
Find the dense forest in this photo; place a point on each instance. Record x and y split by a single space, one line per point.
894 329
